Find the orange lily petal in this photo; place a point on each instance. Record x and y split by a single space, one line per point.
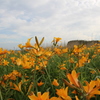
73 77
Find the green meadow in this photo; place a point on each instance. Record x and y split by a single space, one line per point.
52 73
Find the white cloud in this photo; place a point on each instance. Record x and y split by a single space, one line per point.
68 19
8 36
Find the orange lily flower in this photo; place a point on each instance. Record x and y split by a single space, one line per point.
28 44
44 96
97 82
57 39
57 50
91 89
82 61
40 83
20 46
12 59
65 50
18 61
16 73
26 65
73 77
77 49
55 83
5 62
17 87
3 51
63 68
48 53
63 93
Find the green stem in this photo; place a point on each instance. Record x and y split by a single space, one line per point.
1 98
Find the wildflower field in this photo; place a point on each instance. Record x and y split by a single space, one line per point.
52 73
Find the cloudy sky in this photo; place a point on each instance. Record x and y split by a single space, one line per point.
68 19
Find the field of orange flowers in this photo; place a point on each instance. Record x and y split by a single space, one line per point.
52 73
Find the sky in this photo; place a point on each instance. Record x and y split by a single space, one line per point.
67 19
